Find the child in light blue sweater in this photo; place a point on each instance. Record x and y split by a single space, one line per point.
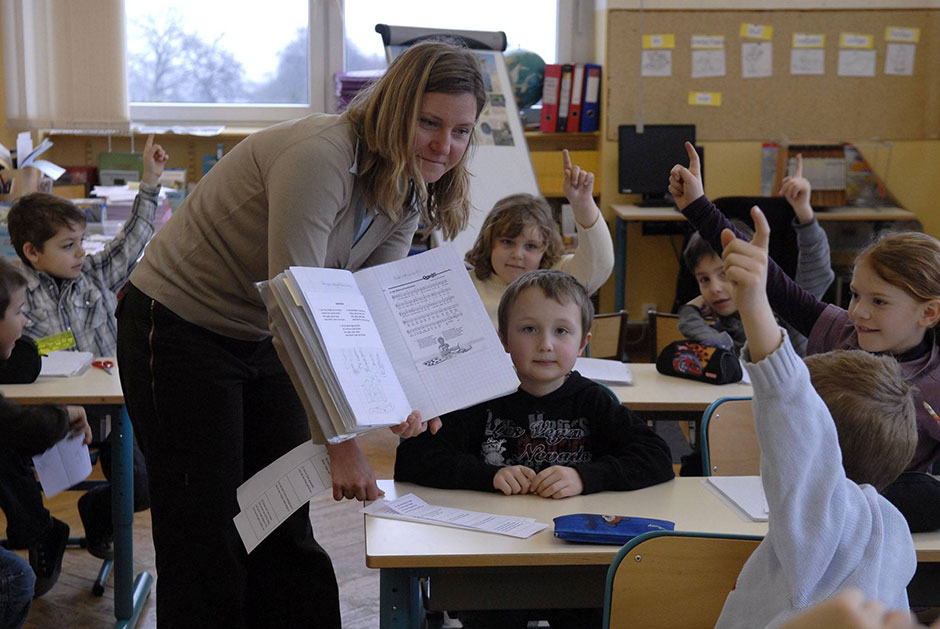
832 436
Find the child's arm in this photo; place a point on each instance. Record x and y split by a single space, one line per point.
450 458
114 263
626 453
787 298
593 260
32 429
693 326
813 268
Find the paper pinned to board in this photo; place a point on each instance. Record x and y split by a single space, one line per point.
277 491
63 465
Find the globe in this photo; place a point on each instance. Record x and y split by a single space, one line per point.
526 75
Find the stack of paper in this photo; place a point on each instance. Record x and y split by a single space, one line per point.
603 370
744 494
65 363
364 349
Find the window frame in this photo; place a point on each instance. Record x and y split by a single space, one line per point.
326 55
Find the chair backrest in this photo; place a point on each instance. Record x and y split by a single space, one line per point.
664 329
728 439
608 336
673 579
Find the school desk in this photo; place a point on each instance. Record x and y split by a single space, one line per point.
652 391
633 213
96 387
472 570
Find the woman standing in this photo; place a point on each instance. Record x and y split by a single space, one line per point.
209 400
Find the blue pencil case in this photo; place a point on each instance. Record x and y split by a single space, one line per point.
593 528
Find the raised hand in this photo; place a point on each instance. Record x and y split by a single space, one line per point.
796 190
154 160
746 269
685 184
579 189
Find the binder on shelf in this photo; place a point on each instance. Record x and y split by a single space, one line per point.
550 98
564 97
590 105
577 89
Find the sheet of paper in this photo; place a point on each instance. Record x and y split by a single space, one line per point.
807 61
706 63
656 63
602 370
413 509
275 492
899 59
65 363
353 344
756 59
856 63
63 465
745 494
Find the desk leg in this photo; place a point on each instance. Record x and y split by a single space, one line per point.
620 263
128 597
400 603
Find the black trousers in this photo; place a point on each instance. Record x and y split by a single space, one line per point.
209 411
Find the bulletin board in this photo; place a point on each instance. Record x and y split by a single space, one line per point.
823 107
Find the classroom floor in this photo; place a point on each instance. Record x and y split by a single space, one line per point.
337 526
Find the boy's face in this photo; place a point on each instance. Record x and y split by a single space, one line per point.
62 256
511 257
886 318
11 326
715 288
543 337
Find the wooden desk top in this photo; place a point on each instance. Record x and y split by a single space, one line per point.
685 501
637 213
652 391
94 386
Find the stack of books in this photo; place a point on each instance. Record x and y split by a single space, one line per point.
348 84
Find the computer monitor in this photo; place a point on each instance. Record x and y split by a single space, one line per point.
646 159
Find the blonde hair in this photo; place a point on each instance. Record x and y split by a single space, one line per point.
557 285
385 117
908 260
872 407
510 217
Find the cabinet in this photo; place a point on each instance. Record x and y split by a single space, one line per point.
545 152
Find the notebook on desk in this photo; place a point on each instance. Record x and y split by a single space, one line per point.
64 363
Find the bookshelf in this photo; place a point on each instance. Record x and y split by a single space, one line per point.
545 152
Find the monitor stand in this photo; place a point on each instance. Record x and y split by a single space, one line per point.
657 200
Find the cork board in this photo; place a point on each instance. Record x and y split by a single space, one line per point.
823 107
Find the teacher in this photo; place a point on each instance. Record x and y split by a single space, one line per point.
209 399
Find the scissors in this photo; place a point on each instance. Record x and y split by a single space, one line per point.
104 364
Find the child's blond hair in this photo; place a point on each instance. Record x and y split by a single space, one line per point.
908 260
873 409
557 285
510 217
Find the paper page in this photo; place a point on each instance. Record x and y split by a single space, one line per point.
899 59
65 363
413 509
807 61
275 492
352 342
63 465
602 370
706 63
746 493
437 332
656 63
856 63
756 60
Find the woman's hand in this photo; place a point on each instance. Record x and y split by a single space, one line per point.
413 426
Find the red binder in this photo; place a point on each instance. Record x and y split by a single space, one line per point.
564 97
577 89
550 98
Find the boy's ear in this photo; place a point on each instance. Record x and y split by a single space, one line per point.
930 313
31 252
502 339
584 342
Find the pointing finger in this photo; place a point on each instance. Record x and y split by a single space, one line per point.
694 166
761 229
